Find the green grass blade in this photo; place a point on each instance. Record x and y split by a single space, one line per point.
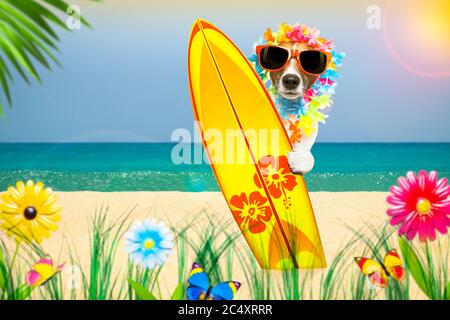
3 272
178 293
141 292
414 265
2 282
447 292
23 292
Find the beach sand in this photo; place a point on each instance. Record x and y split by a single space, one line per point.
334 211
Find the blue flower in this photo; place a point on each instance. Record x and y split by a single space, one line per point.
287 107
253 57
268 83
260 71
337 58
330 74
149 243
327 89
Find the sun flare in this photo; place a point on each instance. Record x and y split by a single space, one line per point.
417 35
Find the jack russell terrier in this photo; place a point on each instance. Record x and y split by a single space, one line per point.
293 68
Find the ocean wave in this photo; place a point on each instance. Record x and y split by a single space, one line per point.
188 180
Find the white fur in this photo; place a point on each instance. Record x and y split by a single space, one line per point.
300 158
291 68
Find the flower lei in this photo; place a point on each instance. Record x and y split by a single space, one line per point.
308 109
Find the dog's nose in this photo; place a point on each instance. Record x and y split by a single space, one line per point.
291 81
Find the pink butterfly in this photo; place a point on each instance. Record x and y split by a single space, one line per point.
42 272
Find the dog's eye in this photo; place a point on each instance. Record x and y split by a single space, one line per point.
273 58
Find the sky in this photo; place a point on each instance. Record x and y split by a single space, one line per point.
126 79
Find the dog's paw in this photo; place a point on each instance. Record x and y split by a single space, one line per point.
301 161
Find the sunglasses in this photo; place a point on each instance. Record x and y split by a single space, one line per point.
274 58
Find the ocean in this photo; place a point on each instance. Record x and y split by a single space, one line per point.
148 167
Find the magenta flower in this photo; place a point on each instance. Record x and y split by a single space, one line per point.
296 34
309 94
420 205
326 81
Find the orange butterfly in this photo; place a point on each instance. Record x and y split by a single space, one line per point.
378 272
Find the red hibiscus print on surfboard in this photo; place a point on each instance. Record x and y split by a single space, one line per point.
251 212
277 176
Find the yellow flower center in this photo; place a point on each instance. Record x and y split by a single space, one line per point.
423 206
148 244
274 176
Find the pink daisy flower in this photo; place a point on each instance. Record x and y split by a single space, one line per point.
420 205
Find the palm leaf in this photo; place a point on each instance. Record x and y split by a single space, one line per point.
63 7
20 17
17 58
32 38
5 76
28 38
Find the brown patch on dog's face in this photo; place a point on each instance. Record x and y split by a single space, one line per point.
291 82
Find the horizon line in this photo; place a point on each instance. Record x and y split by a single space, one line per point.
175 142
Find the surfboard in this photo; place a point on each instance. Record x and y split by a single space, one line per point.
247 148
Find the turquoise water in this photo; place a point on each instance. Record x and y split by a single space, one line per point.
148 167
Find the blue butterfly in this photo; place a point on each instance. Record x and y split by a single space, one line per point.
199 288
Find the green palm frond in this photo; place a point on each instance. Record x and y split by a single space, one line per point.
27 39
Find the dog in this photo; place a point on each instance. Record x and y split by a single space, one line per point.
291 83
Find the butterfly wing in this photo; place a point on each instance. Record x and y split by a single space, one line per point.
379 279
195 293
373 270
198 283
42 272
394 265
224 291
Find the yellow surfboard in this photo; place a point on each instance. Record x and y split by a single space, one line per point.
247 148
